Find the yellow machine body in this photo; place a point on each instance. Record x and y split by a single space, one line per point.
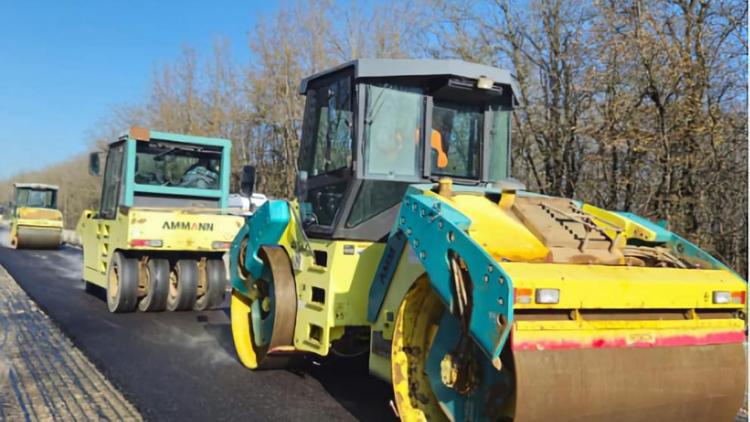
185 231
35 221
159 235
36 228
585 354
607 312
476 299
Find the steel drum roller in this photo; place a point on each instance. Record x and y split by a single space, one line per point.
696 383
38 237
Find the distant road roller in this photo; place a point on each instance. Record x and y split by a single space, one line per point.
476 299
157 240
35 221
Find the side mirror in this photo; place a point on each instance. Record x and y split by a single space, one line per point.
247 181
94 166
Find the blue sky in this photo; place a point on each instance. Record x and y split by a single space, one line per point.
64 64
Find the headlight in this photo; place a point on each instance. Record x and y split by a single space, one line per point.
547 296
722 298
725 298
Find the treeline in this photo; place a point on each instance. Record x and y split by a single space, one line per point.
631 105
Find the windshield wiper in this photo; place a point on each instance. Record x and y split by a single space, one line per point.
159 156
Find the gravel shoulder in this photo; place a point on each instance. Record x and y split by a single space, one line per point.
43 376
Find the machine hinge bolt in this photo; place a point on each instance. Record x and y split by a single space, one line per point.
497 363
486 279
490 268
403 221
416 243
423 255
501 280
501 301
448 371
266 304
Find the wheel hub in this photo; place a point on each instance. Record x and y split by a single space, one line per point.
114 282
173 285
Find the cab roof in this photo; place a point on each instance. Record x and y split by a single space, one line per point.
388 68
39 186
144 134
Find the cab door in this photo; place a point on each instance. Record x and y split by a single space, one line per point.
98 226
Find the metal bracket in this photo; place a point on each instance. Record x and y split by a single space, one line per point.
265 227
436 231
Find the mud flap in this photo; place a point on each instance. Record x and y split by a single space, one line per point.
681 383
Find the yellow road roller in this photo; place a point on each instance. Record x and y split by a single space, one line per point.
162 227
476 299
35 221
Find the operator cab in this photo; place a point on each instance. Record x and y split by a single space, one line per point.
35 195
163 170
372 127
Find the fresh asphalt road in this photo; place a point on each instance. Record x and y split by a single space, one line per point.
181 365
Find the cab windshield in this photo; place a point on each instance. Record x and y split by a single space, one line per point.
169 164
37 198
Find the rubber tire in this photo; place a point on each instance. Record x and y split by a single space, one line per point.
186 276
155 299
216 280
126 297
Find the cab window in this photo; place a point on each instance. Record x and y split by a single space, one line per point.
499 144
111 182
374 197
325 202
170 164
327 128
393 118
456 140
36 198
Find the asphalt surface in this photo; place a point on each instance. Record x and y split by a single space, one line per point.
182 365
